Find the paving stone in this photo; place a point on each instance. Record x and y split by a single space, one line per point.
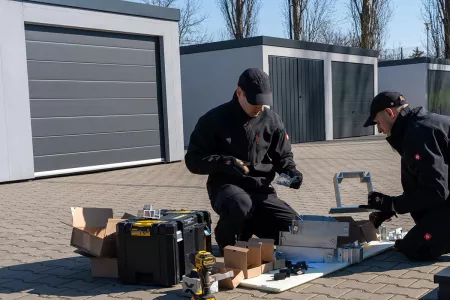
410 292
397 281
364 277
418 275
323 297
391 273
399 297
290 295
226 296
244 297
424 284
426 268
379 264
80 285
321 290
137 295
367 287
47 291
356 294
328 282
433 295
255 293
17 285
11 296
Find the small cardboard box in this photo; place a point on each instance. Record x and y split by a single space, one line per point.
362 231
94 231
245 257
267 253
232 282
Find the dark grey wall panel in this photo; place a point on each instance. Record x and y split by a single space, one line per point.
92 107
87 143
95 97
90 125
89 90
439 92
84 37
76 71
353 91
66 161
43 51
298 89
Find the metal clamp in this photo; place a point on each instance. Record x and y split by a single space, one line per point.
338 177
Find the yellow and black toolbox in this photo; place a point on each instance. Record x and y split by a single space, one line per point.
193 226
148 251
203 216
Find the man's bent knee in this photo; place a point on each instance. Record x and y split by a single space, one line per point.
233 202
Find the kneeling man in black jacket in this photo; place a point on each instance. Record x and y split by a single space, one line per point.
422 140
241 145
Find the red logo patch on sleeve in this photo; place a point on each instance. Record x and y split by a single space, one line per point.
287 137
427 236
417 156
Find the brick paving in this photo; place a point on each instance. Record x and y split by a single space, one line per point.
37 262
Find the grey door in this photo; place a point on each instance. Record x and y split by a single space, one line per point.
298 94
353 91
95 98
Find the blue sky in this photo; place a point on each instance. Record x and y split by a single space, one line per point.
406 28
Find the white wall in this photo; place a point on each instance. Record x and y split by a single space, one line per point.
16 154
209 79
16 149
409 80
328 83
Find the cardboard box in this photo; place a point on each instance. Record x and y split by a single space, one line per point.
245 257
267 253
104 267
232 282
362 231
94 231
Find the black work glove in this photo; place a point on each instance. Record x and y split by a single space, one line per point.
297 181
379 217
233 166
380 201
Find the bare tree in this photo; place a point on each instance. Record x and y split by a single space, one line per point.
241 17
436 13
190 24
311 19
370 19
430 14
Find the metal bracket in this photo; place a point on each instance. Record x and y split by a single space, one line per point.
338 177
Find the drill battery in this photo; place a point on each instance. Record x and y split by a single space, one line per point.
148 251
203 216
192 226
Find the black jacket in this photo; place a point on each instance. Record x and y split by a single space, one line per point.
228 131
422 139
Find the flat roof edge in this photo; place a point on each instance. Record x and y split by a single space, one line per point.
117 7
277 42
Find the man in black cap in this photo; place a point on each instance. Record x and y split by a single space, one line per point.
422 140
241 145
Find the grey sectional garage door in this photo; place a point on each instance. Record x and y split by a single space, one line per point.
95 98
298 97
353 91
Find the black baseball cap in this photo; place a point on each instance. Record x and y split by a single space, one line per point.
383 100
256 85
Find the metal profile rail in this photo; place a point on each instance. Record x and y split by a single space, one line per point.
338 177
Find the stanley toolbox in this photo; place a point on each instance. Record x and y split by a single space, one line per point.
192 227
204 216
148 252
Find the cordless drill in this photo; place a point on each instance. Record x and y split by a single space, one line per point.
203 262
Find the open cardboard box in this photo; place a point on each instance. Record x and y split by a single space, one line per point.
232 282
363 231
104 267
246 258
269 262
94 231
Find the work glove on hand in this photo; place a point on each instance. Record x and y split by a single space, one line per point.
380 202
378 217
297 181
233 166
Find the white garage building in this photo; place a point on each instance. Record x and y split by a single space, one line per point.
87 85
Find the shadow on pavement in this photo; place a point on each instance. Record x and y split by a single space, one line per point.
71 277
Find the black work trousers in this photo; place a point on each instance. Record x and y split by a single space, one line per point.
243 215
430 237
